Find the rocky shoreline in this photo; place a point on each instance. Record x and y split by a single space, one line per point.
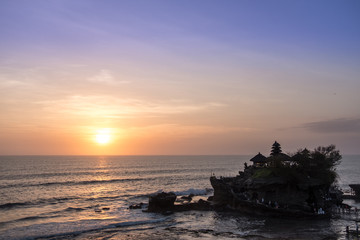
165 203
300 186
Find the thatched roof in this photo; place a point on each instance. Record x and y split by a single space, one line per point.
259 158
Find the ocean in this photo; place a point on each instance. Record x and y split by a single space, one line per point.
88 197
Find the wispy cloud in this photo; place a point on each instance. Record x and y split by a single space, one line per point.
105 76
11 83
114 107
340 125
179 130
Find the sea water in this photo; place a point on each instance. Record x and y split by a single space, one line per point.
88 197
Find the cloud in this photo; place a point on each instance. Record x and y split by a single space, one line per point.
184 130
12 83
113 107
340 125
106 77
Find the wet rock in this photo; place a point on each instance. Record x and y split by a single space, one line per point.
164 203
187 198
136 206
201 205
161 202
202 202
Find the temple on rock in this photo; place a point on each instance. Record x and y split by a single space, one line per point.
298 185
276 157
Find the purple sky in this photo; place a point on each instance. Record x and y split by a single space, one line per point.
178 77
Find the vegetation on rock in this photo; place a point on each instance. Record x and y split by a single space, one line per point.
319 164
281 184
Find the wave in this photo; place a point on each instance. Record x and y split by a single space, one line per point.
12 205
72 183
107 197
38 202
97 171
25 219
65 210
134 223
116 180
45 215
46 201
73 234
73 209
47 175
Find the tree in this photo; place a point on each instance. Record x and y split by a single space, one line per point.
326 157
319 164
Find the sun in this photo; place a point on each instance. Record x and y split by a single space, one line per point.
103 136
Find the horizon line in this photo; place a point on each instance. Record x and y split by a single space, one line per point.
119 155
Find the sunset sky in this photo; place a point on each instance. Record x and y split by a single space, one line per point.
178 77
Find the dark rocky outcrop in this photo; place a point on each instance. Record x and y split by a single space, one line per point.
273 198
298 186
200 205
279 185
164 203
161 202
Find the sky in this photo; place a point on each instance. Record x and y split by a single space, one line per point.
161 77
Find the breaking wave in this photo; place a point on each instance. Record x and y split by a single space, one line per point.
38 202
72 183
80 230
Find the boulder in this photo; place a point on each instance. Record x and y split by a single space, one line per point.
161 202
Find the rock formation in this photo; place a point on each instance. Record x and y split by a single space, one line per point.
298 186
162 202
278 185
